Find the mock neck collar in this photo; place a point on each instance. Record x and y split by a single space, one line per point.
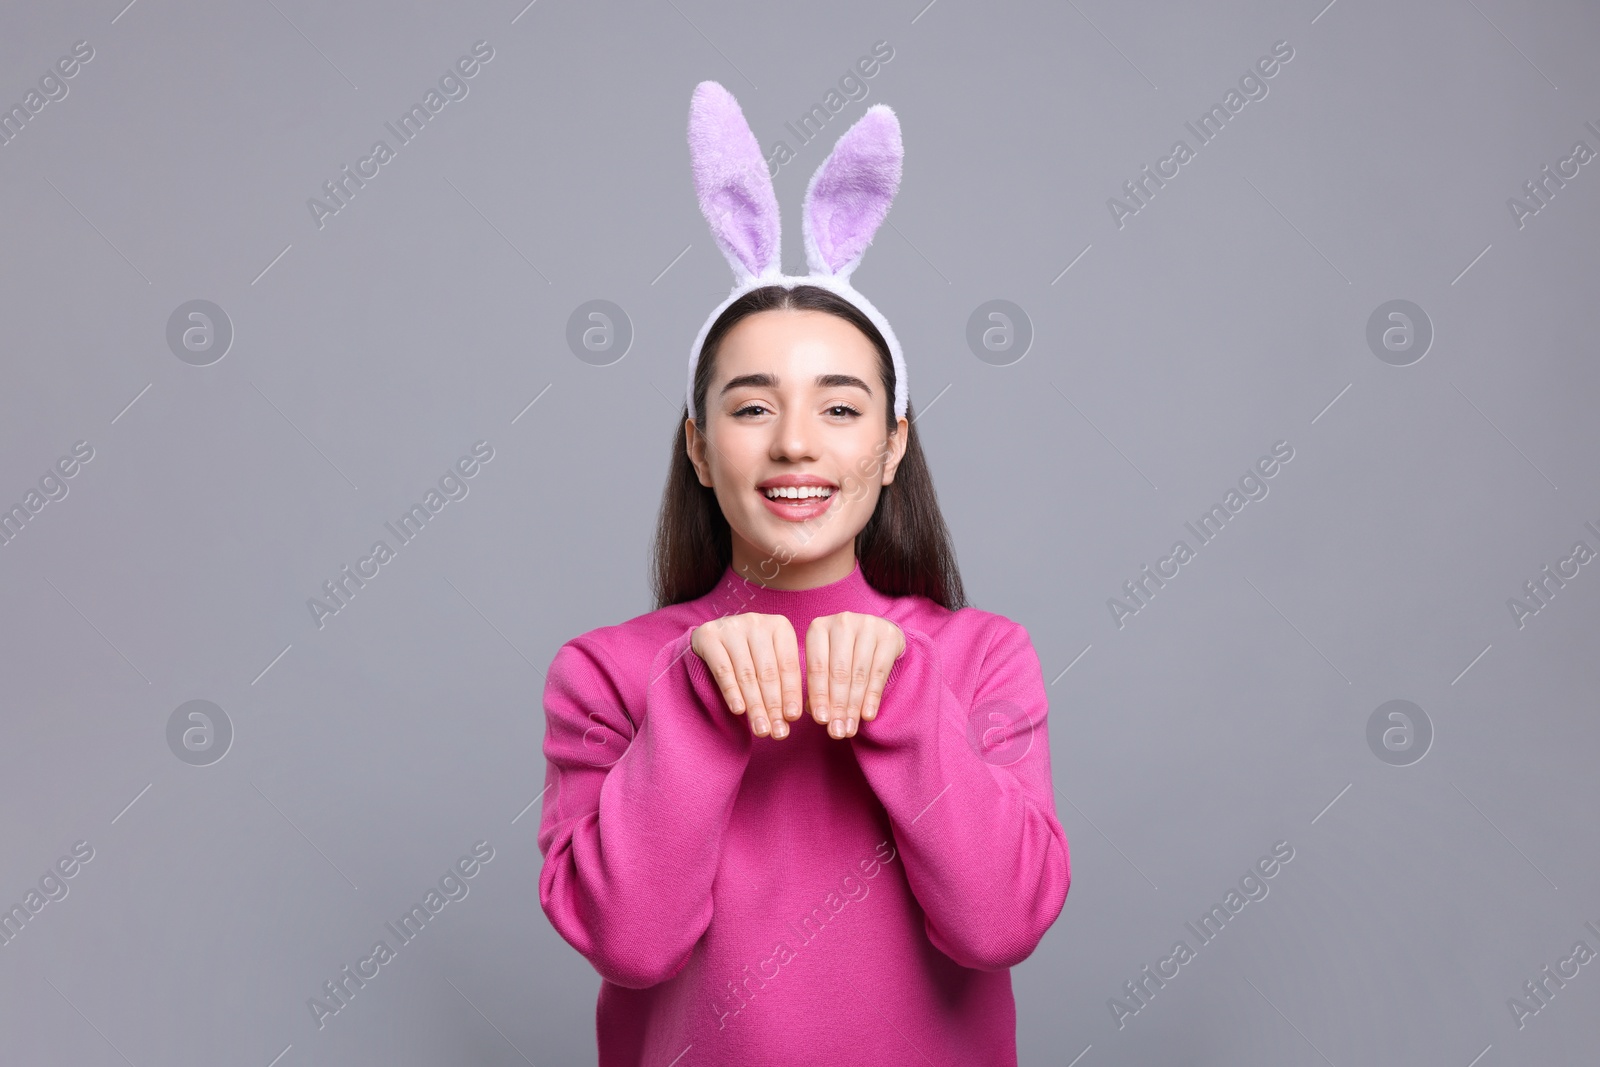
735 594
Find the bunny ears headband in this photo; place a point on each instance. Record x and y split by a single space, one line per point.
845 203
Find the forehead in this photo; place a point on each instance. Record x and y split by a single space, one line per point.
807 341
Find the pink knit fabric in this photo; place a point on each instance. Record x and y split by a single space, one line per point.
812 900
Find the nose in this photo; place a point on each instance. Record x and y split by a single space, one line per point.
794 435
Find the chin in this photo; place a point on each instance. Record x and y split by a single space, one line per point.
788 551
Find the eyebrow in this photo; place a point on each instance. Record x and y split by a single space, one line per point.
824 381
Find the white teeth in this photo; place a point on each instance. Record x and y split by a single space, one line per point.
798 492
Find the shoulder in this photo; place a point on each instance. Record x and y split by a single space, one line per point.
598 683
942 624
627 647
971 634
614 662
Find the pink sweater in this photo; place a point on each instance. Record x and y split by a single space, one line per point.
811 900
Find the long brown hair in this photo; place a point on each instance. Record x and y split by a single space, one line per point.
904 548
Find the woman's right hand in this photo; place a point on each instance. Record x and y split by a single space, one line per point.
755 661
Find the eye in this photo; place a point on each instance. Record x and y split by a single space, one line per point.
753 408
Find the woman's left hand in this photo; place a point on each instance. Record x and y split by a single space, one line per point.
848 657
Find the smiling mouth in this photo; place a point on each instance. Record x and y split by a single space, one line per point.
798 494
799 503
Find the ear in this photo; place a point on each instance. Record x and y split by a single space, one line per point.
898 442
732 183
694 445
850 193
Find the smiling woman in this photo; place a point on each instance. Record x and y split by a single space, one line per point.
800 398
693 815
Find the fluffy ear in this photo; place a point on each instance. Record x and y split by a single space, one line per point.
850 193
732 183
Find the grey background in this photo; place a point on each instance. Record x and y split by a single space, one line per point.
1228 314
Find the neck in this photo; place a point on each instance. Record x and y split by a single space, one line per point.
737 595
761 569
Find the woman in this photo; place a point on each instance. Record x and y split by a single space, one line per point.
755 884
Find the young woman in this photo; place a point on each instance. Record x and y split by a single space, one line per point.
802 812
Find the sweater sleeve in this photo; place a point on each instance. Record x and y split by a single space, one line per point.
969 795
631 829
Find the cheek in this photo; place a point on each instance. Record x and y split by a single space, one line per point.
862 488
731 455
866 465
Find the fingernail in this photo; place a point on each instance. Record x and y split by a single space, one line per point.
761 727
780 730
851 728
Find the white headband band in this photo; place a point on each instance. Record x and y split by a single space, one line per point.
845 203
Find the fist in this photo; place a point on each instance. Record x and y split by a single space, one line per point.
755 661
848 657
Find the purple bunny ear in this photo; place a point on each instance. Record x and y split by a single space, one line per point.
850 193
732 183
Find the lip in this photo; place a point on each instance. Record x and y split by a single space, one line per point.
795 479
798 512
